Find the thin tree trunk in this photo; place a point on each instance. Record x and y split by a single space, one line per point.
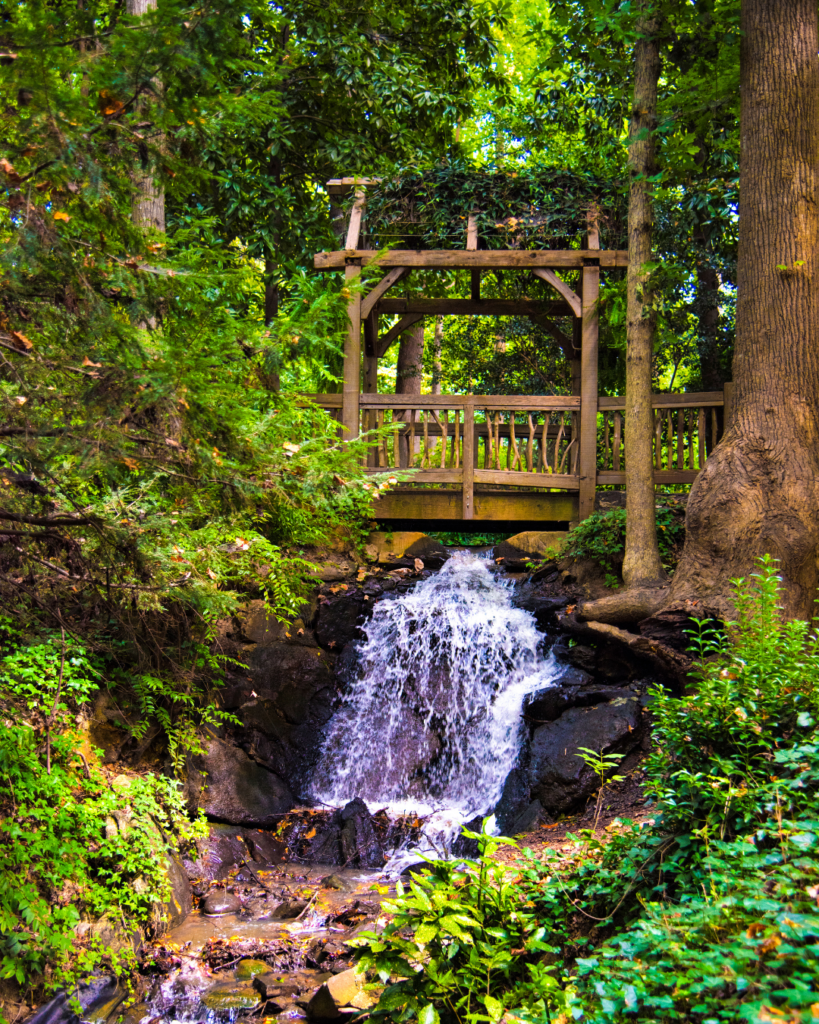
408 375
641 565
148 207
758 491
437 339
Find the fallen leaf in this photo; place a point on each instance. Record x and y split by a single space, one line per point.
60 215
20 399
419 565
87 362
131 463
310 834
23 343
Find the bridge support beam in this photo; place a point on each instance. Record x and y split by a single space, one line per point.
587 461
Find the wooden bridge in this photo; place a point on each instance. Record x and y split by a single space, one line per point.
501 458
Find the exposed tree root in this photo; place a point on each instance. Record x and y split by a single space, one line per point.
624 606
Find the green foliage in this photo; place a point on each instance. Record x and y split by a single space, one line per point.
602 537
478 939
468 540
706 914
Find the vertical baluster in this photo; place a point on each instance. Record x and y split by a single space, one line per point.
497 440
558 438
411 439
543 452
530 445
456 442
690 420
396 441
669 441
680 439
713 428
618 427
425 455
701 438
444 425
658 440
575 421
379 444
606 441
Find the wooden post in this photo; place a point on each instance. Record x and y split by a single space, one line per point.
587 463
472 245
351 389
468 510
371 354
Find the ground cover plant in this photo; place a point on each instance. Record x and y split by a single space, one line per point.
708 913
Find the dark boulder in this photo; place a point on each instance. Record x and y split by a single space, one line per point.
558 776
542 606
431 552
265 848
340 617
220 904
578 655
359 843
236 789
513 800
216 854
181 902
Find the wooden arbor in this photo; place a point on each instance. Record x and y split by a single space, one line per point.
557 448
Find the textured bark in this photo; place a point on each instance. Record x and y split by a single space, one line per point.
437 338
149 202
623 606
641 565
758 491
408 375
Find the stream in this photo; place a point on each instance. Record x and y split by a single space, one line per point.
428 731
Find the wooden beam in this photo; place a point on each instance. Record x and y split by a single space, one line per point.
587 461
354 228
686 400
550 277
404 324
661 476
383 286
419 504
351 386
559 481
472 246
344 186
466 307
554 403
488 259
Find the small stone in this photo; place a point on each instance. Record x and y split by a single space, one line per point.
250 968
218 904
288 909
335 882
338 991
230 996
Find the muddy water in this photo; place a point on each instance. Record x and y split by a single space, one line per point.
252 964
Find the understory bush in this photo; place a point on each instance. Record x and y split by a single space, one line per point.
707 913
602 537
75 845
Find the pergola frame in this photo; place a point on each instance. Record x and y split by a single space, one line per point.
364 310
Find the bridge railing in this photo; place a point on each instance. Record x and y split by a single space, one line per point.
530 441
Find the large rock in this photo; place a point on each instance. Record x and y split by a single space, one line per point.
558 777
221 850
283 707
534 544
181 902
403 545
340 618
345 989
236 789
359 843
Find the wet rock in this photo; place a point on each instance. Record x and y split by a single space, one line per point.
230 995
288 909
284 708
571 676
95 991
578 655
359 842
513 801
548 704
250 968
340 617
217 854
181 902
430 552
275 985
527 819
265 848
558 776
236 789
463 846
219 904
339 991
336 882
542 606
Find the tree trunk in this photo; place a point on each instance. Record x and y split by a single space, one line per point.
148 206
408 376
437 338
758 491
641 565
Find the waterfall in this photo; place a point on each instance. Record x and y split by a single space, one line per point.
431 724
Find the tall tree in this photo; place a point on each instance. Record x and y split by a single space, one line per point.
149 201
641 566
758 491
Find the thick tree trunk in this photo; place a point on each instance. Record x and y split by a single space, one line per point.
408 375
148 206
758 491
641 565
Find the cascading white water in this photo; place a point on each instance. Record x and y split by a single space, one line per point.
432 722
